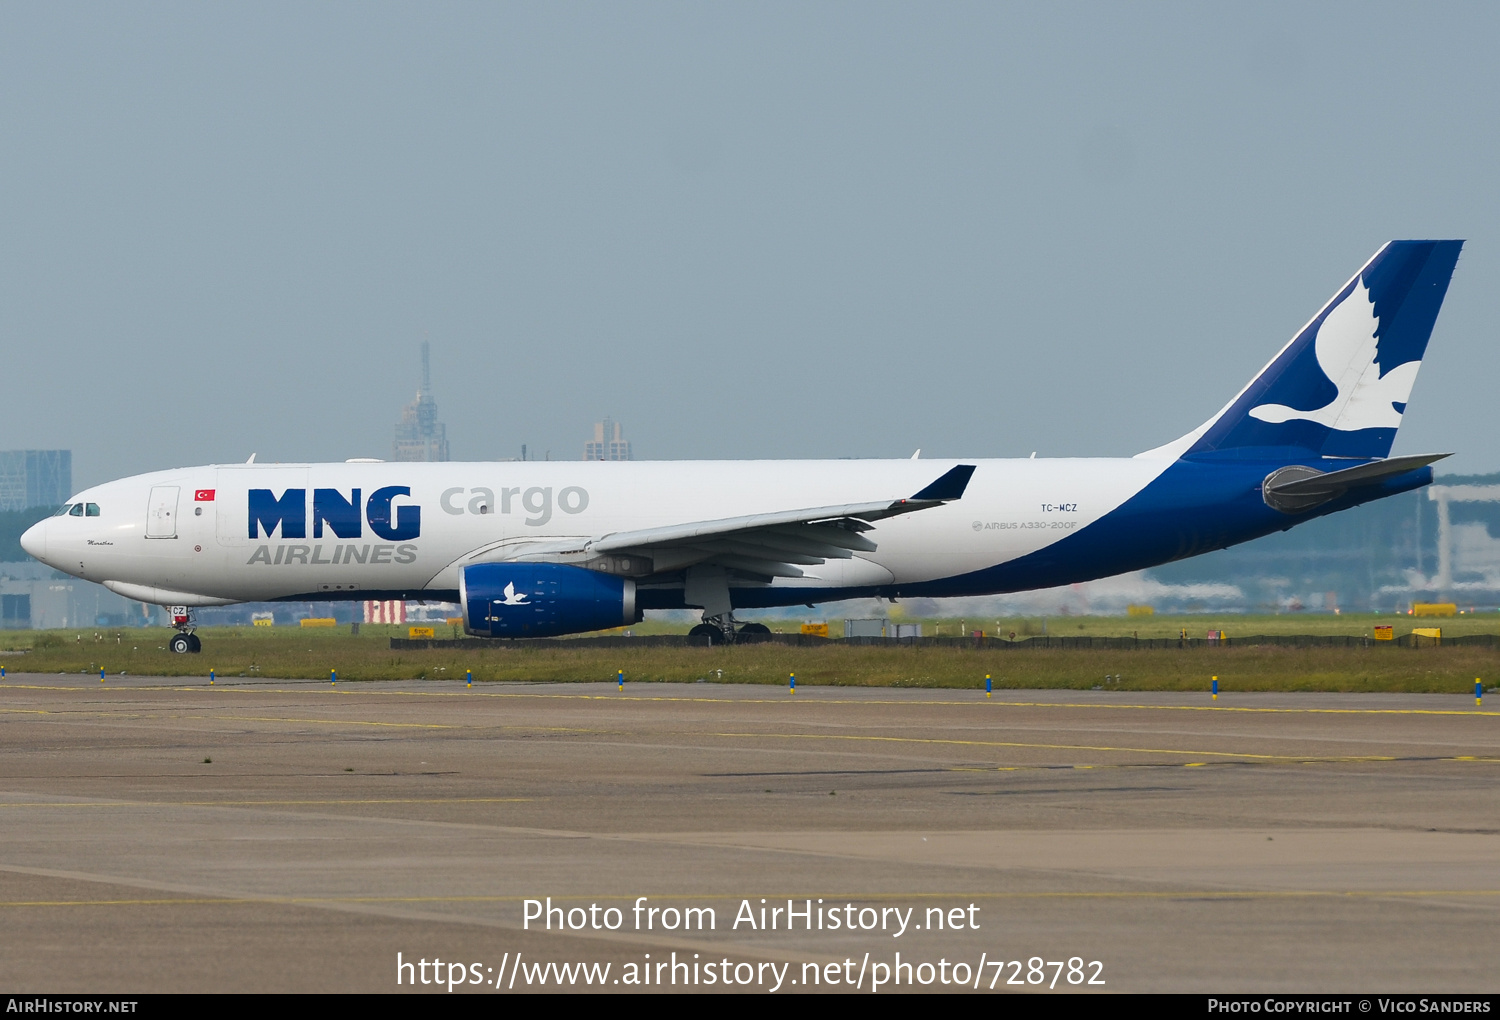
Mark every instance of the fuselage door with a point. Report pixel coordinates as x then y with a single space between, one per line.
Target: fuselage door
161 512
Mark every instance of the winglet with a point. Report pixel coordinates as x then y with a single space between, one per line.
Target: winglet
950 486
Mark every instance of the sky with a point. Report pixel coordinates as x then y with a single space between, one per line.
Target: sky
743 230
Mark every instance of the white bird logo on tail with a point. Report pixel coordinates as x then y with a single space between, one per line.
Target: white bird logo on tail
1346 352
511 598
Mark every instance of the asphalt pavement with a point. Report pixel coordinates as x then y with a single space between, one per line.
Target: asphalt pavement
257 834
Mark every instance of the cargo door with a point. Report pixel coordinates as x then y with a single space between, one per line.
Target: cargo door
161 512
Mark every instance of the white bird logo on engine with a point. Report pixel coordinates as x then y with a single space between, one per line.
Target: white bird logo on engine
1346 352
511 598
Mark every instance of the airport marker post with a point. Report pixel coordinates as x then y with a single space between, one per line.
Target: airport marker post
101 674
1216 688
620 678
1478 692
333 676
210 678
469 677
2 672
791 683
986 685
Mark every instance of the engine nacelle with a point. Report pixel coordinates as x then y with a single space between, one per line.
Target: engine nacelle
516 600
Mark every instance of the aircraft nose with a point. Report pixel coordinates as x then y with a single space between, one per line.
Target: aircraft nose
34 541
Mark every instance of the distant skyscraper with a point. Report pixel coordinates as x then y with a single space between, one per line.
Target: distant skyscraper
419 435
35 478
608 443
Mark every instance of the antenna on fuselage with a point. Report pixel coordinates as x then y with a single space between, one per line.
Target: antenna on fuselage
251 460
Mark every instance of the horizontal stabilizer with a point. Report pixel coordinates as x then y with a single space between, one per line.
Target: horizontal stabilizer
1365 474
1297 488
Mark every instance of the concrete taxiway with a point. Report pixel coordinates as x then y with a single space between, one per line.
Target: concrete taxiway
263 835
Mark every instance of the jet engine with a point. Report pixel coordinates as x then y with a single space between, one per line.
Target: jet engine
516 600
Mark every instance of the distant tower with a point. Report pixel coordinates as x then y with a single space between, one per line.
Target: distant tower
31 478
608 442
419 435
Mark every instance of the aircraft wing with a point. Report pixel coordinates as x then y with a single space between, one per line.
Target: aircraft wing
764 545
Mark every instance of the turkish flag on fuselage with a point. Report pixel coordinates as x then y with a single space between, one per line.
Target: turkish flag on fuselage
203 496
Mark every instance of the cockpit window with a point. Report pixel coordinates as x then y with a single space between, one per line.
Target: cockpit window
93 510
77 510
63 509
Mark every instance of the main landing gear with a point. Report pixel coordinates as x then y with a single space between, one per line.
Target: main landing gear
750 633
721 630
184 642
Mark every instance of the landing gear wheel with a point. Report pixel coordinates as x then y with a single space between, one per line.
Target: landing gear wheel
181 643
714 635
194 645
751 633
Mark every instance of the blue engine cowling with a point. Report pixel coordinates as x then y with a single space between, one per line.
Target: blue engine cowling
542 600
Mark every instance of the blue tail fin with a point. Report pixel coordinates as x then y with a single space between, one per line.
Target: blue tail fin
1340 387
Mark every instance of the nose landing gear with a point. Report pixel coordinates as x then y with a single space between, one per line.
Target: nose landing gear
184 642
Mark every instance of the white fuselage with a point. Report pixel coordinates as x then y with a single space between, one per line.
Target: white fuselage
209 550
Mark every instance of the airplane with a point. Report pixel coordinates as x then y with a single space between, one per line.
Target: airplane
533 549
